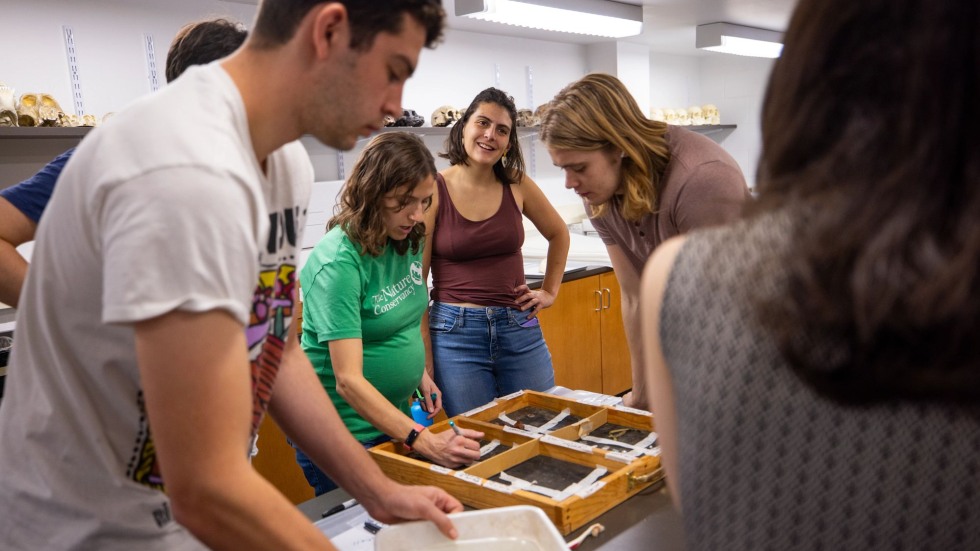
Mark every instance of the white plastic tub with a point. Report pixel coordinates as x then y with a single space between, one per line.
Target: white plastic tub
517 528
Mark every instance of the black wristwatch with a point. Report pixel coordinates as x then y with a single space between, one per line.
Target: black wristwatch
413 435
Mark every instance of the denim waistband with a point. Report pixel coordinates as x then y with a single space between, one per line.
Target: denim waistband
482 312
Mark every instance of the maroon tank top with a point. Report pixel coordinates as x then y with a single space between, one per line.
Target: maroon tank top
477 262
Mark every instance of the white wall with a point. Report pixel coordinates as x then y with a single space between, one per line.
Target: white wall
109 45
113 71
466 63
735 84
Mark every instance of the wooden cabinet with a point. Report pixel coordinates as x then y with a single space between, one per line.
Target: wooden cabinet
585 334
276 460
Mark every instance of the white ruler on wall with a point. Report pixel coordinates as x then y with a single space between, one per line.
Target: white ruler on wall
73 73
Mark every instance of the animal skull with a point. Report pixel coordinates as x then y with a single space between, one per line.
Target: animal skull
525 117
49 112
670 116
27 110
538 114
409 118
710 113
696 115
447 115
683 119
8 106
67 120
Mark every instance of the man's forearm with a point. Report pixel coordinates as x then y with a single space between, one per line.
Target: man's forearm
302 409
13 270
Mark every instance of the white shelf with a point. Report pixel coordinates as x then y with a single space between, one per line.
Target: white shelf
41 133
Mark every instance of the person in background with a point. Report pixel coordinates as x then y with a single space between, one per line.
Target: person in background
21 205
485 337
641 181
363 302
814 368
153 331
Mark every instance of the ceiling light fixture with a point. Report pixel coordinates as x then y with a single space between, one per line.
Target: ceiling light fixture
592 17
736 39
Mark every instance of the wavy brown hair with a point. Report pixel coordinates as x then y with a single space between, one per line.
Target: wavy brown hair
596 113
510 168
277 20
869 143
389 161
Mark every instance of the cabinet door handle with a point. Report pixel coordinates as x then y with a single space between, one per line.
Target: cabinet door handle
608 294
598 300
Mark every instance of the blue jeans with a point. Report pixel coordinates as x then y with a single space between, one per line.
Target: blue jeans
318 479
482 353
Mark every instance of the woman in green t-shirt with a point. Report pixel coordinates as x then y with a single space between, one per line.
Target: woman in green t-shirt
363 301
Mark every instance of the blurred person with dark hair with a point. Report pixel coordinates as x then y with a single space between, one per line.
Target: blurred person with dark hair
814 368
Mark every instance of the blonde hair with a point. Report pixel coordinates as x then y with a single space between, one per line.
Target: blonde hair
597 112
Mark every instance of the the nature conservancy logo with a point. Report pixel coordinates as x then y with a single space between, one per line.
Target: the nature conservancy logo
391 296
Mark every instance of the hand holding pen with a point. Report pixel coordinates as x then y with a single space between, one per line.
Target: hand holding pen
450 448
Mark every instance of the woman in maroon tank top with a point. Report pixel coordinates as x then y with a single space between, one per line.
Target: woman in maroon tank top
484 333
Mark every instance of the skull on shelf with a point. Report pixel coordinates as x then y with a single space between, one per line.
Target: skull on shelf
447 115
657 114
696 115
538 114
683 119
525 117
67 120
710 113
409 118
670 116
8 106
389 120
27 110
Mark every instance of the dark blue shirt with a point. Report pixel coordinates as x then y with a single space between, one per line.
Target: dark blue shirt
33 194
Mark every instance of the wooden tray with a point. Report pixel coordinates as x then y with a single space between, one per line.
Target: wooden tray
602 478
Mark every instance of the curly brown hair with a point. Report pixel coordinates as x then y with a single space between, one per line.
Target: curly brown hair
389 161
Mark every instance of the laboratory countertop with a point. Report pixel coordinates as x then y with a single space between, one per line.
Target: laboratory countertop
645 521
572 274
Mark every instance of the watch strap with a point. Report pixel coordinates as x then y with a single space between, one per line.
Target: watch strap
413 435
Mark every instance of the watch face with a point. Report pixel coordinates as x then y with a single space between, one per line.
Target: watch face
412 435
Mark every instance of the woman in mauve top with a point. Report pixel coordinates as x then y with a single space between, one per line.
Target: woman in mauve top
483 327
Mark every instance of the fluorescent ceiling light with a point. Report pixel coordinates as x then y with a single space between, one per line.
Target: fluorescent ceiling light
592 17
736 39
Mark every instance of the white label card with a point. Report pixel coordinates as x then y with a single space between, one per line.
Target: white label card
577 446
472 479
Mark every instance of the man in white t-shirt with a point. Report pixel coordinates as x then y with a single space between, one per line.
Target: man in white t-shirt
152 330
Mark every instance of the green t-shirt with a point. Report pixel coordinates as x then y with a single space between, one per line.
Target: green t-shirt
379 300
